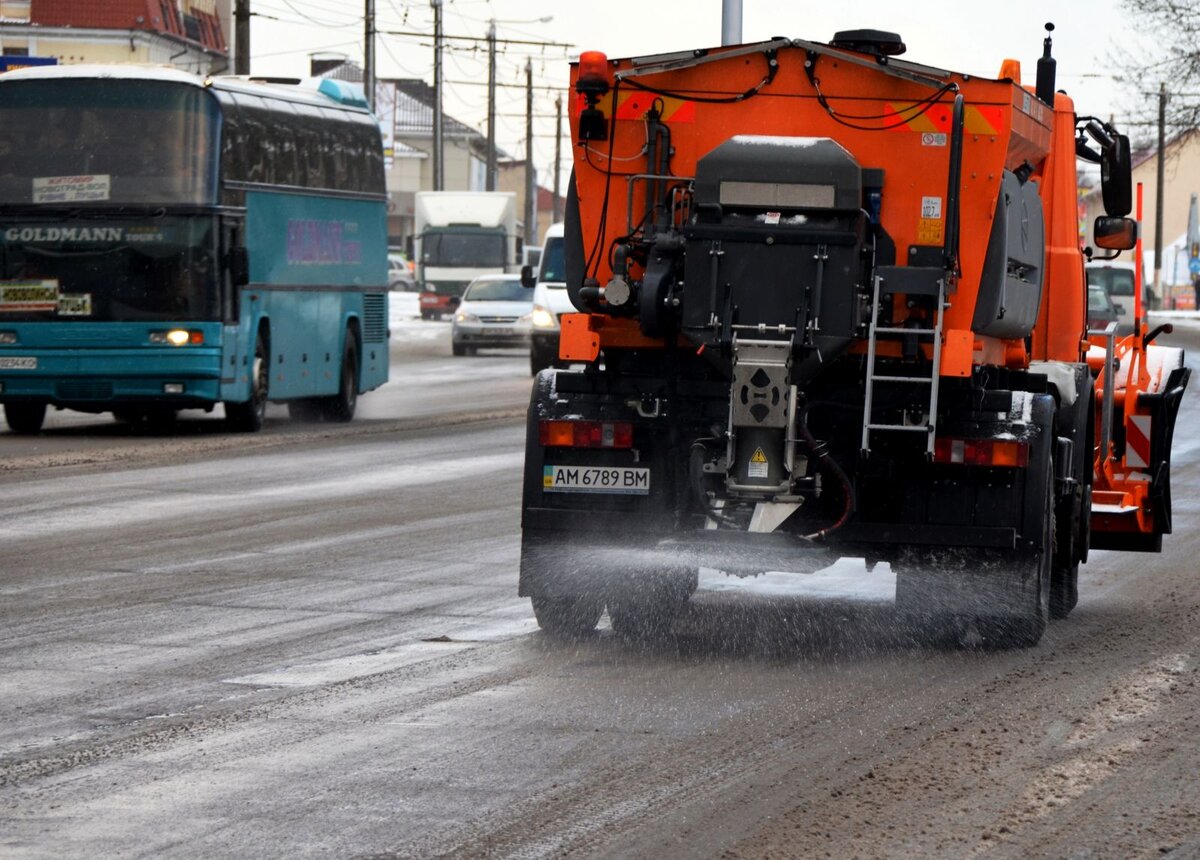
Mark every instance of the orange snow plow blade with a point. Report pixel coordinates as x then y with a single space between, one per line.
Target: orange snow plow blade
1138 390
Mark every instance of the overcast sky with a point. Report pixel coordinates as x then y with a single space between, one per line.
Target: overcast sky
964 36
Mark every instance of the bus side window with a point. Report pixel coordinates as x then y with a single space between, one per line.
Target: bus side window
290 153
231 248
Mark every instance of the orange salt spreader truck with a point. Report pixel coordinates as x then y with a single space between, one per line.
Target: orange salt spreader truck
832 303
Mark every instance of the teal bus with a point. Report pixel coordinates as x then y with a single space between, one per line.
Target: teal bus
172 242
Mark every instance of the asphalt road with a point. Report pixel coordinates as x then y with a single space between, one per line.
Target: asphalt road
307 643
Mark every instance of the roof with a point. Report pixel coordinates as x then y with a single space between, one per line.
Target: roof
414 111
302 91
193 20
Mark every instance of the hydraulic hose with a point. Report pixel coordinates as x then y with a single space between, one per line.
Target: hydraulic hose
827 463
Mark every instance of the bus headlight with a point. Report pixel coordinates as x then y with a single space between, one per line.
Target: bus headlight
542 317
177 337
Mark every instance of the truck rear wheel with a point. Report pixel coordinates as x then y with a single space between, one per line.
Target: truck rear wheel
25 418
1024 589
567 617
648 607
1064 579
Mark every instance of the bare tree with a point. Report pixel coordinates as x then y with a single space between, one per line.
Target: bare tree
1162 49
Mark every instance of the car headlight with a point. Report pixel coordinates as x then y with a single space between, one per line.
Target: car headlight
464 317
542 317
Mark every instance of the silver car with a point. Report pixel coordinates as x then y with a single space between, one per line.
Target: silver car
494 312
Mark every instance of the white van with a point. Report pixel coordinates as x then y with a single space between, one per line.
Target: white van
1117 279
549 300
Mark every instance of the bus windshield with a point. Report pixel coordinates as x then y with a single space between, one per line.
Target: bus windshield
475 248
87 270
80 141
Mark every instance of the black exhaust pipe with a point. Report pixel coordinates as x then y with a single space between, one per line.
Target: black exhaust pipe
1047 70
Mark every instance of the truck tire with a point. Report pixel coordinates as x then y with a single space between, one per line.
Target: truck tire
1064 579
1025 582
567 618
25 418
927 606
648 607
248 417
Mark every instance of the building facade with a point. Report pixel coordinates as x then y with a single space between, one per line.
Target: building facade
1181 178
187 34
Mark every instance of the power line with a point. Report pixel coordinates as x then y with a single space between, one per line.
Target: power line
479 39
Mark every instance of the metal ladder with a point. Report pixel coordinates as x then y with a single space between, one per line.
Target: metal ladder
875 329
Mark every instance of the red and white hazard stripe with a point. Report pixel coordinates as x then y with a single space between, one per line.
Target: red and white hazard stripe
1137 441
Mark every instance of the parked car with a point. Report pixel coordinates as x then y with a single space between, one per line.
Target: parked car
400 276
494 312
1100 308
1118 281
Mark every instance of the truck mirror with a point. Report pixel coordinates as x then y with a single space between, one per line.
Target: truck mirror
1116 177
527 279
239 266
1115 234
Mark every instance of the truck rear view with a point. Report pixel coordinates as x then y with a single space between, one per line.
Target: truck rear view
833 303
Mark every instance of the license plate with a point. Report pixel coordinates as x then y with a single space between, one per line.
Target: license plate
18 362
621 480
496 332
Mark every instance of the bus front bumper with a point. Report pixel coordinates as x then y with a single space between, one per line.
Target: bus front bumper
97 380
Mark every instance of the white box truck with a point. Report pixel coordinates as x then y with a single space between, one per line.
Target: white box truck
458 236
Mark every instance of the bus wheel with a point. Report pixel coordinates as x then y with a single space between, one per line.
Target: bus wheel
25 418
248 417
341 406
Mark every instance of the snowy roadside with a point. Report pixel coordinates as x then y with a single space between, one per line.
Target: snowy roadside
404 319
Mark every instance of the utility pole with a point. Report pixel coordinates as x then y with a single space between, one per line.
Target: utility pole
439 180
491 108
557 159
530 175
369 55
241 38
1158 194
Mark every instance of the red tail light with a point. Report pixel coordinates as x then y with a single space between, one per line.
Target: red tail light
585 434
981 452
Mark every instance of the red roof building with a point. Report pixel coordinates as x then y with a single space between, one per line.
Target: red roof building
189 34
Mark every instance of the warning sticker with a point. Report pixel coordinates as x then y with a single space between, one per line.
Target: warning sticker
771 217
931 207
71 189
933 138
758 465
27 296
929 231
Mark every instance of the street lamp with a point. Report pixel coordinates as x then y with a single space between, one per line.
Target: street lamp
490 179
